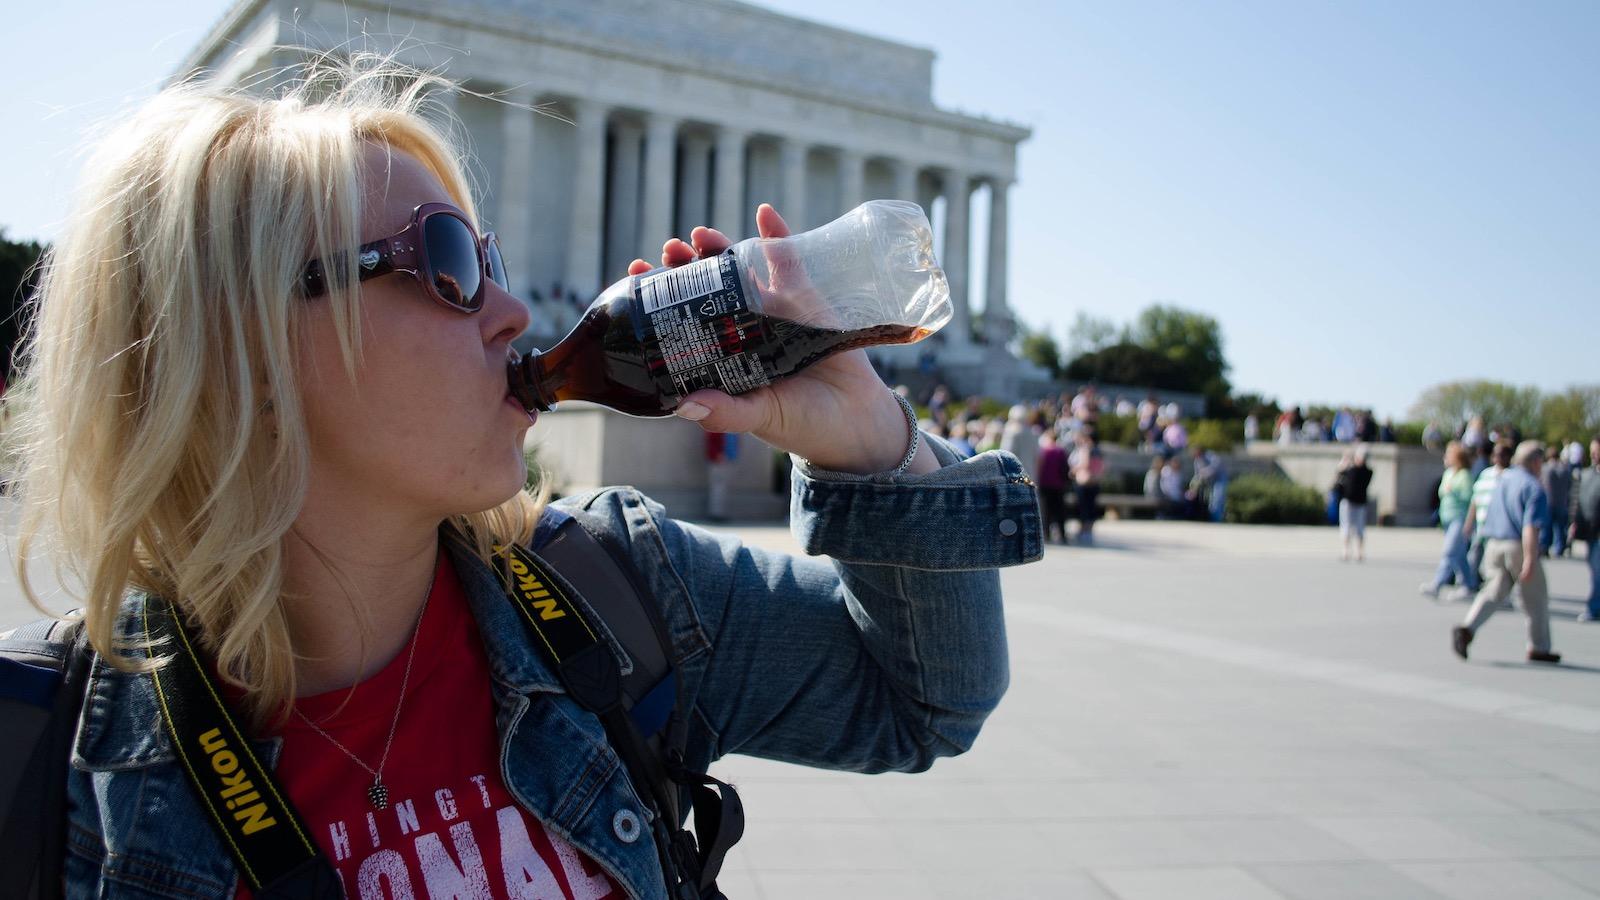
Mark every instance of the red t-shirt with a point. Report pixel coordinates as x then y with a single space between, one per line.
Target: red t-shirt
451 828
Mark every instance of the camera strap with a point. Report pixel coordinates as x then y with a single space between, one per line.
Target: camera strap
246 805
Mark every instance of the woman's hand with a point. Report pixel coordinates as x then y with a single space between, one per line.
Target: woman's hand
837 413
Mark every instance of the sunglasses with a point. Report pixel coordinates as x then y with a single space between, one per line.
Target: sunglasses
440 248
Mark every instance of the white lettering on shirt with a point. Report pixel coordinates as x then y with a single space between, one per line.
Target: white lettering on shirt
527 876
341 841
385 865
372 830
447 803
440 873
406 813
481 782
584 885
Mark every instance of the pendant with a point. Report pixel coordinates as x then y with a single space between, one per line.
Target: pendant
379 795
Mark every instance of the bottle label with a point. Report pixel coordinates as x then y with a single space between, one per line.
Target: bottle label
699 329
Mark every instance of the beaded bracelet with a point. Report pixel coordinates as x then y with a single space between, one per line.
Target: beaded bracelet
916 434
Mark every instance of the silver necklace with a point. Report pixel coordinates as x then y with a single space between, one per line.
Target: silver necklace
378 794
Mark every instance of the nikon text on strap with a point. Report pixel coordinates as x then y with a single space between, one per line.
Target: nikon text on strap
592 676
247 807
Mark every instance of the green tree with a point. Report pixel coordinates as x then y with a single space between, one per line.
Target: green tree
1193 342
1039 348
1571 415
1129 364
1090 334
1452 403
19 276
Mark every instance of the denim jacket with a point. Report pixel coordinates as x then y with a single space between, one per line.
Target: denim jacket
884 658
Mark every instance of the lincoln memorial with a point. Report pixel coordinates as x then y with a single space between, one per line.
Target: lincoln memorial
602 127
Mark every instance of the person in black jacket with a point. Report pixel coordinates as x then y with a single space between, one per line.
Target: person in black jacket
1586 526
1354 477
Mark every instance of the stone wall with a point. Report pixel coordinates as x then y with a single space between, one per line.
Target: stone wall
584 446
1404 479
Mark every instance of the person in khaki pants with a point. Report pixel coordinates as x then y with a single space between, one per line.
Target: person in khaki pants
1517 510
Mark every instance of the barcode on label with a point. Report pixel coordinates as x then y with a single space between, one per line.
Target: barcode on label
675 286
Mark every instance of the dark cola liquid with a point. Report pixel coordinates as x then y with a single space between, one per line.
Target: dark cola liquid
610 359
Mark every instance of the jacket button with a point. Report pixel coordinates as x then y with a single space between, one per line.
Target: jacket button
626 824
1008 527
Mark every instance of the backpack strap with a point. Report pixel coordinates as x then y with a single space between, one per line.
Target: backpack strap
44 667
643 712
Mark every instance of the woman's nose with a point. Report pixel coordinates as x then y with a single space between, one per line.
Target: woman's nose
505 316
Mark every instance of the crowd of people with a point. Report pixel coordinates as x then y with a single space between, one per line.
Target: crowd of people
1055 439
1506 505
1346 426
1058 439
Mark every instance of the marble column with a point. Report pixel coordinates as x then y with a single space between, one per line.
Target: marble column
792 163
852 180
622 200
728 214
905 181
998 324
514 212
694 184
957 196
660 148
588 199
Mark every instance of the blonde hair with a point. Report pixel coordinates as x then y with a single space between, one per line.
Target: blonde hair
158 432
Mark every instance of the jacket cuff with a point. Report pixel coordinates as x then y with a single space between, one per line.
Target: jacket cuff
978 513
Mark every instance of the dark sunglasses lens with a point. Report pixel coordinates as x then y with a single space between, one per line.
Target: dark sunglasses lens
497 267
453 267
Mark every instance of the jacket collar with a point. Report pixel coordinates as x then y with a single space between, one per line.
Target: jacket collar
121 726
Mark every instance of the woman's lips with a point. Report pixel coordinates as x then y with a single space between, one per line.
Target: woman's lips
512 402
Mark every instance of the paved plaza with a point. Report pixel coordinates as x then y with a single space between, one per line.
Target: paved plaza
1219 712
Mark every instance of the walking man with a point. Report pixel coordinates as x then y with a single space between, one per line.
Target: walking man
1478 511
1511 554
1586 527
1557 481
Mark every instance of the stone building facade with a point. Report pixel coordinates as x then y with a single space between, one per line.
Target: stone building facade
601 127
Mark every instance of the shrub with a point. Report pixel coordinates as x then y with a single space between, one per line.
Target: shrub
1273 500
1122 431
1410 433
1217 435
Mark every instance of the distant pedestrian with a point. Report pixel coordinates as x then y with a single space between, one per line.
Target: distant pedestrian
1284 431
1432 437
959 439
1087 466
721 452
1367 431
1482 499
1019 439
1557 482
1208 488
1149 411
1175 505
1152 485
1344 426
1252 428
1053 480
1512 555
1586 527
1455 498
1354 478
1175 436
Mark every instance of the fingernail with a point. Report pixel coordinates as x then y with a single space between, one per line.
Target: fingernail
692 411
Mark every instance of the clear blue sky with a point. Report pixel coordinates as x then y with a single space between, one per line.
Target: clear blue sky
1371 197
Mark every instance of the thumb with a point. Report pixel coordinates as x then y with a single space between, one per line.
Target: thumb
716 411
